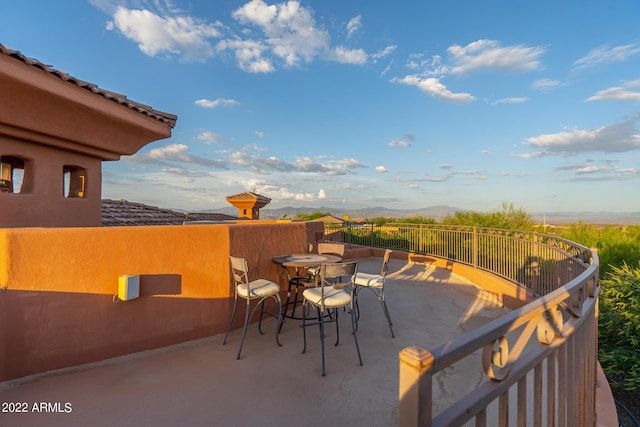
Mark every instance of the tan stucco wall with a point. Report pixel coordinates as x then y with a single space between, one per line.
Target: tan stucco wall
42 202
57 287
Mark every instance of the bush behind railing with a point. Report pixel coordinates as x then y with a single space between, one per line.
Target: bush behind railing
537 261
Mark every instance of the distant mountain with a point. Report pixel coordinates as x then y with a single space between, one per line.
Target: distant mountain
438 212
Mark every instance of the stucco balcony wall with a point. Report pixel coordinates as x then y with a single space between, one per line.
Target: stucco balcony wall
57 287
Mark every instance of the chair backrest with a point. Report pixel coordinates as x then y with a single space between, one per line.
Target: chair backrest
331 248
338 275
239 270
385 262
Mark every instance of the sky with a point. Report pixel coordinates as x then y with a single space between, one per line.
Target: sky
362 103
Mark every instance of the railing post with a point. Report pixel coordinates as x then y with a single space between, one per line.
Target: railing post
475 247
371 234
415 385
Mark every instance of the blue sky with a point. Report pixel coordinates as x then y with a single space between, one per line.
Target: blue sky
355 104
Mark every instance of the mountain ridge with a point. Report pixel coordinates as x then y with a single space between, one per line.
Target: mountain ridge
438 212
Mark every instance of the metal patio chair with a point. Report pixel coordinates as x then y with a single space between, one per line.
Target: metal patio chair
330 295
259 289
374 283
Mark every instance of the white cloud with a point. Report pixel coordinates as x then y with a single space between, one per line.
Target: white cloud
349 56
545 85
210 137
606 54
354 25
592 169
207 103
289 29
381 169
510 101
618 93
615 138
267 165
260 134
175 153
399 143
433 87
384 52
322 194
248 54
182 36
490 55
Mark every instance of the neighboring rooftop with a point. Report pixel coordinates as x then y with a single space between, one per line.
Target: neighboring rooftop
125 213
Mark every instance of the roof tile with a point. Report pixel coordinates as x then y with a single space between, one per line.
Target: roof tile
125 213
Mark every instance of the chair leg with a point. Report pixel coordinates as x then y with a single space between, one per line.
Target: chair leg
280 319
356 307
261 315
386 313
244 329
355 336
321 315
304 326
295 303
337 327
233 314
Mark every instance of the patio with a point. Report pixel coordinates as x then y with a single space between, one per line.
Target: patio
201 382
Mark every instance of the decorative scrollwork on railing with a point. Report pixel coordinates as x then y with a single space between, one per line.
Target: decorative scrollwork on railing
494 359
550 326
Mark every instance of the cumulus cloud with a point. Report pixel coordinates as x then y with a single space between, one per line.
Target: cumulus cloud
434 87
182 36
290 32
349 56
490 55
630 92
207 103
606 54
399 143
176 153
615 138
262 37
248 158
210 137
381 169
592 172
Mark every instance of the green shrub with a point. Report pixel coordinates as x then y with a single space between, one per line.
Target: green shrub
507 217
619 326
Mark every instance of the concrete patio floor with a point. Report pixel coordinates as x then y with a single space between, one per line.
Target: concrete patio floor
200 383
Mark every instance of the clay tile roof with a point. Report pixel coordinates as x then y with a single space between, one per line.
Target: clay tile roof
163 117
124 213
329 218
248 195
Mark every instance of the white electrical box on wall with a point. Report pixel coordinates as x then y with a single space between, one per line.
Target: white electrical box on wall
128 287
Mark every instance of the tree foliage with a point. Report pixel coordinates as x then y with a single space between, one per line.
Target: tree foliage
380 220
508 216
